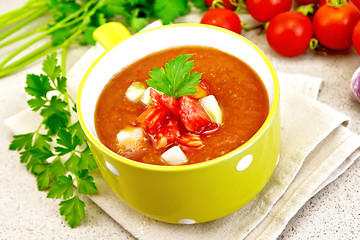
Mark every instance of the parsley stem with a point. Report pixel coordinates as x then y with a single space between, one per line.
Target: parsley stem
19 14
23 36
29 55
20 49
63 59
38 54
7 70
22 24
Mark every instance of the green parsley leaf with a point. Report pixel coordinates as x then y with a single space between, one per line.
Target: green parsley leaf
36 103
62 188
76 129
73 209
72 164
34 156
25 156
41 153
37 86
168 11
68 142
137 22
43 179
39 168
56 116
59 36
88 35
175 80
42 141
85 183
31 160
88 158
57 168
200 4
61 84
50 66
21 141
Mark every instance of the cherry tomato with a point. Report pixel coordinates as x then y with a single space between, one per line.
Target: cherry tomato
222 17
226 3
333 27
356 37
289 33
354 2
265 10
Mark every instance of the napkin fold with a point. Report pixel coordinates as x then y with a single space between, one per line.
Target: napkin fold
316 147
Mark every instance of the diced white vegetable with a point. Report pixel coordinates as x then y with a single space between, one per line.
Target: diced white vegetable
174 156
130 137
146 99
211 106
135 91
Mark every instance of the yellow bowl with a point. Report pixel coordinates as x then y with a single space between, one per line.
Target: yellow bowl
190 193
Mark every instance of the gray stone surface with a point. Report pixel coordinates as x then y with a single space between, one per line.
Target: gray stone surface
333 213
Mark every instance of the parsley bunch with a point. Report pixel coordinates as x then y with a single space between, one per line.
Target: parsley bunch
56 152
71 22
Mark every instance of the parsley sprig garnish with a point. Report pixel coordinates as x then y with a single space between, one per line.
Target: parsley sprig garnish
56 152
175 80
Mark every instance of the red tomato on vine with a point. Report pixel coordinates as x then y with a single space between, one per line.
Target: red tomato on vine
356 37
230 4
289 33
333 26
223 17
265 10
356 3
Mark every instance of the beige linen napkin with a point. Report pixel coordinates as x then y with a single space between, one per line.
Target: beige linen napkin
316 147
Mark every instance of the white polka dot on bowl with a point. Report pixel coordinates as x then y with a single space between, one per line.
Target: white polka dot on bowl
244 163
186 221
112 169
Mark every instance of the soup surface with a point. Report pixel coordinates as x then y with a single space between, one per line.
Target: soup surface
239 91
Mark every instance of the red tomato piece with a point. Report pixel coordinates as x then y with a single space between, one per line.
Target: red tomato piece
225 3
152 118
193 115
164 100
222 17
289 33
356 37
265 10
190 140
333 27
213 127
167 134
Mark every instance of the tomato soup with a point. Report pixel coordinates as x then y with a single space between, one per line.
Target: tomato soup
239 91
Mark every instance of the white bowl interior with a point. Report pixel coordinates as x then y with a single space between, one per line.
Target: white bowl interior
147 42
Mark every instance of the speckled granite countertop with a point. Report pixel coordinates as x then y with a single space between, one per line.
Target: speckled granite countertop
333 213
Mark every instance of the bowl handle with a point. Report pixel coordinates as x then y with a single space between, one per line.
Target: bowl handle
111 34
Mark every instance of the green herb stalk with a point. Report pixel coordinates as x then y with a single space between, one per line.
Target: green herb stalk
73 22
